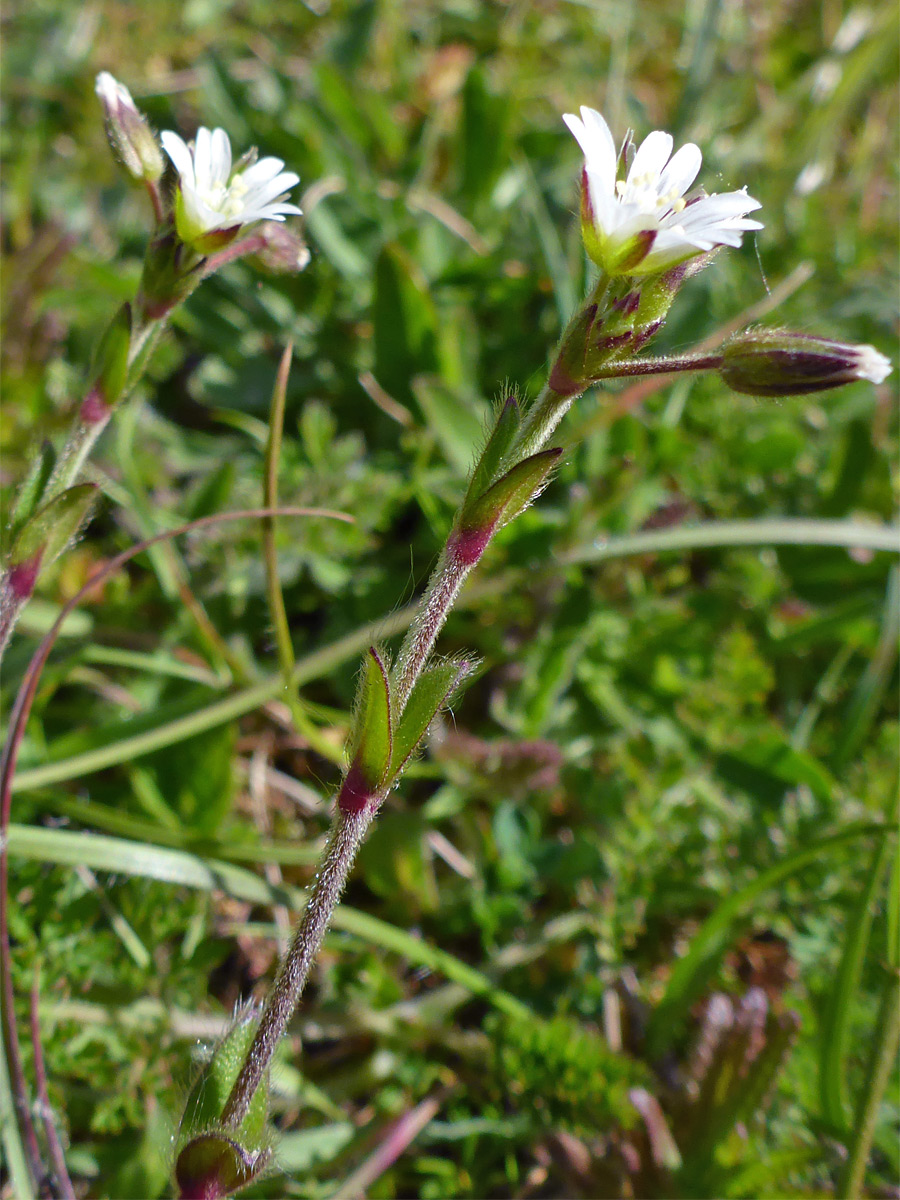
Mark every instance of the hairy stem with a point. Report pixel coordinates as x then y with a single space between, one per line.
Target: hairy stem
86 431
462 551
444 586
347 834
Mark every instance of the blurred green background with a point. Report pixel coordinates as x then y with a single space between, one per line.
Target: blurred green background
656 740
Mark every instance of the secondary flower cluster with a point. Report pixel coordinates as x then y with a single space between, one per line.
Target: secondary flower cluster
647 238
215 197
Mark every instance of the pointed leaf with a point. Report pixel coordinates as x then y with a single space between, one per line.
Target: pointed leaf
372 737
111 359
431 692
835 1038
510 494
33 487
49 530
501 438
203 1111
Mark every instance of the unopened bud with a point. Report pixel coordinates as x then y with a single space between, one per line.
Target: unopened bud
130 136
284 251
776 362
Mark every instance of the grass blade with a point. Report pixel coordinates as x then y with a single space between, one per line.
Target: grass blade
796 531
123 857
835 1033
714 935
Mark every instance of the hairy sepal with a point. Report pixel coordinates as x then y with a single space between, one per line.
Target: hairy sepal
501 439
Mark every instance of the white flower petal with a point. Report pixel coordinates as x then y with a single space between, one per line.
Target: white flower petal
649 201
872 365
681 171
202 159
211 198
262 171
180 155
220 158
652 155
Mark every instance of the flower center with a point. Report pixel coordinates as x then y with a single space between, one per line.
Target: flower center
227 198
643 192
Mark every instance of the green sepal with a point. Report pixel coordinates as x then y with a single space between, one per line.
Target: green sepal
432 690
33 487
568 374
110 368
371 739
511 493
501 438
214 1161
49 530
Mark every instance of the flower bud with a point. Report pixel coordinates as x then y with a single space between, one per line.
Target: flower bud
776 362
130 137
284 251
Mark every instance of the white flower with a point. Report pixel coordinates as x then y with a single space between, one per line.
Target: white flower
641 225
213 199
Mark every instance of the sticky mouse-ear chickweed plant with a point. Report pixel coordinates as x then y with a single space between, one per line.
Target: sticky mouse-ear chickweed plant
647 240
646 234
206 212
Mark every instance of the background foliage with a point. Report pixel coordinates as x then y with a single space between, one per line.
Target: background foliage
650 735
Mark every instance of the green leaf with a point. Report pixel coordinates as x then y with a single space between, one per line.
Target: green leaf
33 487
307 1147
767 766
121 856
431 692
404 322
483 141
396 863
371 739
110 368
207 1097
796 531
835 1033
500 439
510 494
48 531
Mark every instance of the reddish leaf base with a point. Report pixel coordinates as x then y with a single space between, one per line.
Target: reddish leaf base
23 576
94 408
355 794
468 545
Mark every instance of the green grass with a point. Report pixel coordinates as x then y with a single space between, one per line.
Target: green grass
670 777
